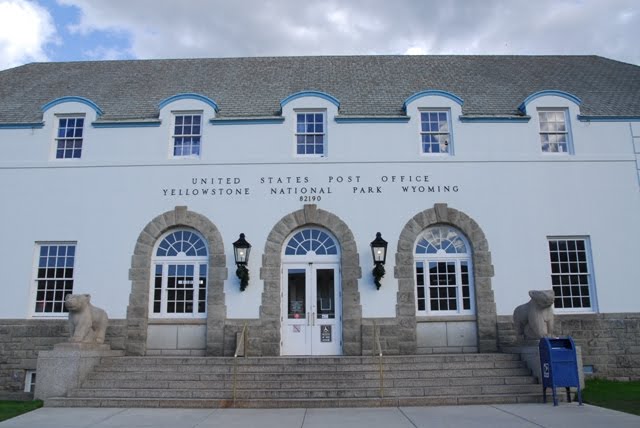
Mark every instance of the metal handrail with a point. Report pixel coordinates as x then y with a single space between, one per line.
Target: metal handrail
242 341
376 339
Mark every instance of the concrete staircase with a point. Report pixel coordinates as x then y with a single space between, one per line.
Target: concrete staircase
276 382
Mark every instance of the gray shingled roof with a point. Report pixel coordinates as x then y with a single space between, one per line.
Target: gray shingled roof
365 85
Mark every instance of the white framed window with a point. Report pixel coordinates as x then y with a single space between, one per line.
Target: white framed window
572 274
69 137
179 280
555 135
435 132
54 276
30 381
187 134
311 133
444 277
316 240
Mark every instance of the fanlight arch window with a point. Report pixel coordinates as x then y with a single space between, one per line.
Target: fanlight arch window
179 280
307 240
441 239
182 241
444 273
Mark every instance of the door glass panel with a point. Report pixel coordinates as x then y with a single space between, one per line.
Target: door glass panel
442 286
180 289
325 293
297 292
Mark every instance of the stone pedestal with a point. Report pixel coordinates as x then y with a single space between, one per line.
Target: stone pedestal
530 354
67 366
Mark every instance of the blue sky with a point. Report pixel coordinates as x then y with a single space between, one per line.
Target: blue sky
79 46
80 30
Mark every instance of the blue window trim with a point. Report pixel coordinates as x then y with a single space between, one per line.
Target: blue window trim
247 121
186 132
305 113
71 145
450 149
570 148
371 119
430 93
30 125
72 99
548 93
584 118
126 124
333 100
495 119
188 96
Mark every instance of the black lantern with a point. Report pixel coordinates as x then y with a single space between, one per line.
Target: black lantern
241 250
379 253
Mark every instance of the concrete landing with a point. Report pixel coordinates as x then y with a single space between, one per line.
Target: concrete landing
487 416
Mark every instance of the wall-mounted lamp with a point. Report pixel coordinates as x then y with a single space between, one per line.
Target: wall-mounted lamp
241 250
379 253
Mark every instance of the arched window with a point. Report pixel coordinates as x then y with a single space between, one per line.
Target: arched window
444 278
314 240
179 283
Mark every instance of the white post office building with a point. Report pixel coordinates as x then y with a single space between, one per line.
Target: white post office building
488 176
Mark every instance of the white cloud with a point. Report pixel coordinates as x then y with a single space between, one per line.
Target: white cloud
25 28
415 50
104 53
218 28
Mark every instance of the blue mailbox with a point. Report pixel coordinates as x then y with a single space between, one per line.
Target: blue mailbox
559 366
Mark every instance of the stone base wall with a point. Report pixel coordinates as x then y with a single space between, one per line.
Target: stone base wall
388 329
21 340
610 342
233 329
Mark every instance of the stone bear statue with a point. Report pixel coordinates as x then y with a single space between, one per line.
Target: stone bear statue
87 324
534 319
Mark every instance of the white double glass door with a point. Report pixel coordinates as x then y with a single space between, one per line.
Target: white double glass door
311 309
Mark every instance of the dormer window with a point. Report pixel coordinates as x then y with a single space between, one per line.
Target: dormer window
310 133
187 133
554 131
69 137
435 132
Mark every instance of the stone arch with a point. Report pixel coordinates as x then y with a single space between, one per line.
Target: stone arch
139 274
270 273
482 272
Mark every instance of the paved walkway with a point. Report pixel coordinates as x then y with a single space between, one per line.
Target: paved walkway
489 416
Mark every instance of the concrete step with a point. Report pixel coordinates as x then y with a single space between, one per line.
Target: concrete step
287 361
305 382
303 403
251 372
260 367
358 392
164 378
175 381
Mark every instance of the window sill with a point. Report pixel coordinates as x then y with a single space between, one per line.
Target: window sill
436 155
559 312
39 316
311 156
190 158
181 321
441 318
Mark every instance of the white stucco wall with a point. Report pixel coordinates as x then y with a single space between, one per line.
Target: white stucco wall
518 195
